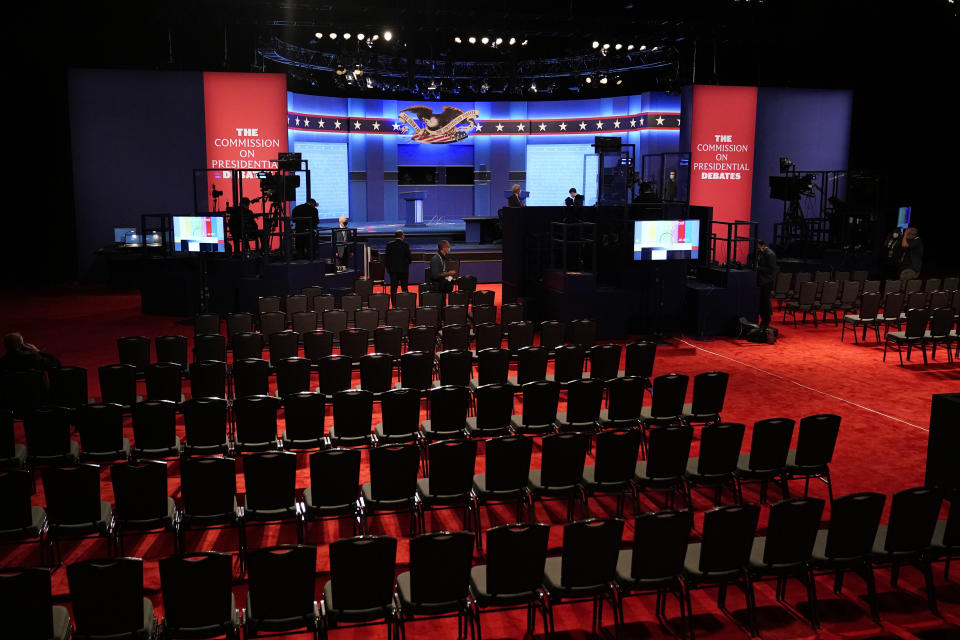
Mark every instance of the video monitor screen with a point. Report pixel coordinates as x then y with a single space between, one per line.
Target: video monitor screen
198 233
120 233
666 240
903 218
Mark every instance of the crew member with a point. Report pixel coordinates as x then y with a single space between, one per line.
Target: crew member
575 199
341 242
670 187
23 356
397 262
892 254
306 219
912 258
766 274
514 199
440 276
242 226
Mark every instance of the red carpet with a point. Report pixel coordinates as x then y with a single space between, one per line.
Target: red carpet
881 447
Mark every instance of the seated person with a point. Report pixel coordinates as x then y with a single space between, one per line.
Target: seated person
242 226
23 356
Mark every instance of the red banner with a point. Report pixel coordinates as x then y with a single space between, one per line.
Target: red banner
721 152
246 127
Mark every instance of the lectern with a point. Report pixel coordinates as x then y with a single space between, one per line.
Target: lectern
414 200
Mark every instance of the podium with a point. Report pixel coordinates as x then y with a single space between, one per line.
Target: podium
414 207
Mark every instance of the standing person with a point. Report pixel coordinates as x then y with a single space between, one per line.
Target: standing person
514 200
575 199
766 273
440 276
670 187
912 259
397 262
341 243
306 219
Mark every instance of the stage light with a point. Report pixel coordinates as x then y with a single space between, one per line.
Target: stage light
513 41
523 44
472 40
318 35
643 47
333 36
346 36
603 79
357 70
606 46
484 87
618 46
432 86
369 82
360 36
498 41
340 70
619 81
375 37
533 86
588 79
387 36
458 40
484 40
629 47
595 44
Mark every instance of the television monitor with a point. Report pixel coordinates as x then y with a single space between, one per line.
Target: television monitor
666 240
120 233
903 218
199 233
132 239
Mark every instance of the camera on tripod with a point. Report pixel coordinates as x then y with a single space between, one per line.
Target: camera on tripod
279 187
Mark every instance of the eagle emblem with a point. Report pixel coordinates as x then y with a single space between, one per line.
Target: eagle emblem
450 125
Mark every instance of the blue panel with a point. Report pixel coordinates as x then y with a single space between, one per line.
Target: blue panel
328 177
434 155
552 169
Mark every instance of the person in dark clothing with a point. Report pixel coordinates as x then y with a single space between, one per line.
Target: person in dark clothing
306 219
766 274
397 262
440 276
912 259
670 187
343 243
575 199
23 356
243 227
515 200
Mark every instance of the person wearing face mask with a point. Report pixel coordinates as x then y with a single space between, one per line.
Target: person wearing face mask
670 187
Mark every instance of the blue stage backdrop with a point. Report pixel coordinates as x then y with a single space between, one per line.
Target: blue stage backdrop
394 147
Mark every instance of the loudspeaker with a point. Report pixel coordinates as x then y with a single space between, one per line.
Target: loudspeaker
943 444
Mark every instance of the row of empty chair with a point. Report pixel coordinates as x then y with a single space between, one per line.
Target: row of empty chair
518 572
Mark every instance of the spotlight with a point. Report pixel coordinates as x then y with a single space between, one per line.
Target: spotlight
484 40
432 86
357 70
333 36
595 44
606 46
523 44
458 39
472 40
498 41
484 87
533 86
619 81
369 82
603 79
588 79
655 49
360 36
643 47
513 41
629 47
387 36
340 70
375 37
346 36
618 46
318 35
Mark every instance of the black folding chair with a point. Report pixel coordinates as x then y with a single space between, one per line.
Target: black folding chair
334 489
26 606
142 503
198 596
561 469
108 600
281 595
360 590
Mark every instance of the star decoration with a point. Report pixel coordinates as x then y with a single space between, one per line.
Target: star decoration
659 120
376 126
396 126
599 124
583 125
297 121
306 122
336 124
678 122
479 127
616 124
633 122
320 124
563 126
641 122
499 127
356 124
520 127
543 127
